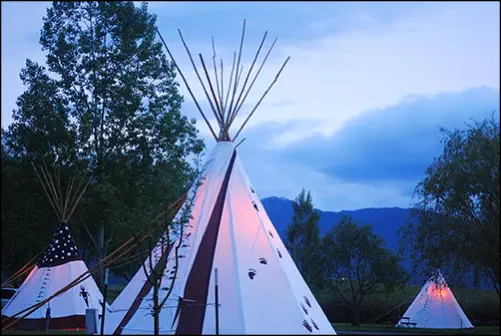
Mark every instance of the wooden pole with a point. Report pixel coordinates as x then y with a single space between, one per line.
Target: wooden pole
239 143
260 100
237 103
215 110
216 293
47 320
187 86
105 294
236 75
252 83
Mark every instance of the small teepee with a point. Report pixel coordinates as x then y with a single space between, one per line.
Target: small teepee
435 307
59 264
233 274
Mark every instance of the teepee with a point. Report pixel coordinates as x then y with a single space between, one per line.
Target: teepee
59 264
435 307
233 274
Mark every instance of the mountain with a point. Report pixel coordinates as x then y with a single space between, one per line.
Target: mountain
384 221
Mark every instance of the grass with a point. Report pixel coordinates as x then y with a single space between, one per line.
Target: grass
113 292
43 333
472 301
340 327
481 306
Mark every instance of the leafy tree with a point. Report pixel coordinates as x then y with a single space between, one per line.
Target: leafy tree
41 125
170 237
303 238
108 99
356 264
455 224
22 200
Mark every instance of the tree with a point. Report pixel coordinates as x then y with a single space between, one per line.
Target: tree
170 236
303 238
455 224
41 125
356 264
23 203
109 98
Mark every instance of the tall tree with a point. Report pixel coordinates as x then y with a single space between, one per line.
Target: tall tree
41 125
356 264
456 219
303 238
112 101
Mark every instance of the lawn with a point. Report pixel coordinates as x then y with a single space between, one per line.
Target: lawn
472 299
340 327
43 333
481 306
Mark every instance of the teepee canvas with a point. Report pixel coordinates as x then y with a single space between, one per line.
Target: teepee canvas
58 265
230 254
435 307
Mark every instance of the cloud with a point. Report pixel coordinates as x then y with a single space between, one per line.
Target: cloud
376 159
346 58
361 58
346 119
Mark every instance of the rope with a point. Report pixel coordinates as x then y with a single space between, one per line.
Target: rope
23 270
106 261
130 260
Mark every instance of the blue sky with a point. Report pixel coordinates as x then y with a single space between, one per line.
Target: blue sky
354 117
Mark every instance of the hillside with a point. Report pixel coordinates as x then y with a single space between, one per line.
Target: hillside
385 221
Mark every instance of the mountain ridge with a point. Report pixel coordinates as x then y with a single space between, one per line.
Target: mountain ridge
385 221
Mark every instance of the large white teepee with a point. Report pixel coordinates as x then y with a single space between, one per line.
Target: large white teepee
435 307
260 290
60 264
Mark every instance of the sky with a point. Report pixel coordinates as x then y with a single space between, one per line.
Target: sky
355 116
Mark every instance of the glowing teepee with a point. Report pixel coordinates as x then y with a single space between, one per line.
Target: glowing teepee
435 307
229 244
59 264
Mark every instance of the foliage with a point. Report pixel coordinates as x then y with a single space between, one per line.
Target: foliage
303 238
21 238
456 221
480 306
171 238
357 264
108 102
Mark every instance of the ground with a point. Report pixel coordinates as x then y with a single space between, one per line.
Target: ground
347 329
385 329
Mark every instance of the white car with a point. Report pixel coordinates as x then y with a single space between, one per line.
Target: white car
7 293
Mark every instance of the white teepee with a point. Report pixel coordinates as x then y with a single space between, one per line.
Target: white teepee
229 242
60 264
435 307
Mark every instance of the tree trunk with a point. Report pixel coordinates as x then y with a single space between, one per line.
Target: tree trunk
100 241
355 315
156 310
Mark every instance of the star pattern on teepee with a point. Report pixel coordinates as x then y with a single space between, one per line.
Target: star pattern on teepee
61 249
49 283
